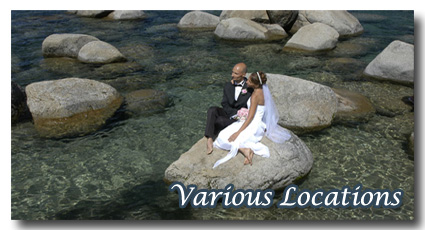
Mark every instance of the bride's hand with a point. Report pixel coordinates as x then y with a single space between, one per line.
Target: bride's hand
233 137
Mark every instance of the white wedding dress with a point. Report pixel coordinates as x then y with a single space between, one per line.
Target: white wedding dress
250 137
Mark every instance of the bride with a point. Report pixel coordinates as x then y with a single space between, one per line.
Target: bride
245 135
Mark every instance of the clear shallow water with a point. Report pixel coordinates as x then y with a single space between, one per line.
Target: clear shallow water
117 172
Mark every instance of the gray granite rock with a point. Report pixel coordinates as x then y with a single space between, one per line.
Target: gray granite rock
100 52
304 106
246 30
127 14
198 20
287 163
71 106
395 63
314 37
65 45
341 20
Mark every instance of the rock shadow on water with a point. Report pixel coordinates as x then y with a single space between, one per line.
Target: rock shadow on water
150 200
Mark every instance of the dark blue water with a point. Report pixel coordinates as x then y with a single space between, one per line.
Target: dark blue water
117 172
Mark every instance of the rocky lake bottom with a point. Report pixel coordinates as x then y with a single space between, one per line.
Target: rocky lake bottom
117 172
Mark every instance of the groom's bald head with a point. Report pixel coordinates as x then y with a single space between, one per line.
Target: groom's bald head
239 72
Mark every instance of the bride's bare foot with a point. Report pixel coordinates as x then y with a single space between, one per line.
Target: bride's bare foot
246 152
246 161
209 145
251 155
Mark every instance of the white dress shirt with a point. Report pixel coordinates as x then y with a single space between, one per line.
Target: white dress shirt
238 89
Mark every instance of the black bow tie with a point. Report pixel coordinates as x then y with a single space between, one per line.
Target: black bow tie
239 84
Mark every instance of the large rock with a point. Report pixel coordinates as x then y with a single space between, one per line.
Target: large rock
287 162
247 30
353 107
284 18
71 106
100 52
65 45
93 13
394 63
254 15
127 14
198 20
19 103
304 106
341 20
314 37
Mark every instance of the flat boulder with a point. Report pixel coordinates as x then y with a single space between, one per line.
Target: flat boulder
304 106
314 37
395 63
65 45
341 20
100 52
71 106
127 15
287 163
198 20
246 30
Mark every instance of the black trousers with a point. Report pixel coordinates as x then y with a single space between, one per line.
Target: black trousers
217 120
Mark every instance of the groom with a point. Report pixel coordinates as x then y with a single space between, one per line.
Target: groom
235 96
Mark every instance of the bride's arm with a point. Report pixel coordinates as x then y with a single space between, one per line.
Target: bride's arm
249 118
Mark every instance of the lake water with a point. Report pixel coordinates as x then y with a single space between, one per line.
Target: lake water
117 172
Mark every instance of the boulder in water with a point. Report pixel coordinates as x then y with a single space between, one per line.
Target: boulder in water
287 163
65 45
246 30
314 37
395 63
71 106
100 52
198 20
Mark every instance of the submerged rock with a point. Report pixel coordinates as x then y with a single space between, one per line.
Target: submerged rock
71 106
394 63
287 162
100 52
314 37
247 30
303 106
353 107
19 103
65 45
387 98
145 101
198 20
412 143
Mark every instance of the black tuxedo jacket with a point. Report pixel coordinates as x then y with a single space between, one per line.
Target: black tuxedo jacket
229 104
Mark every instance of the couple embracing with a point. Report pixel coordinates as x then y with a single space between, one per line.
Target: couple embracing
247 114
